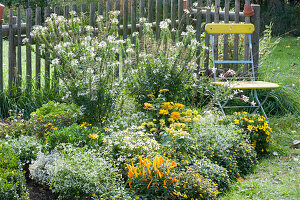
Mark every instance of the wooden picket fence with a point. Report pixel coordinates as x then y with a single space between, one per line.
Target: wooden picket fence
131 11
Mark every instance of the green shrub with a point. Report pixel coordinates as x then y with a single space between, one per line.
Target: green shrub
162 64
26 147
12 180
193 185
216 142
77 135
216 173
255 126
129 143
85 60
52 116
15 126
79 172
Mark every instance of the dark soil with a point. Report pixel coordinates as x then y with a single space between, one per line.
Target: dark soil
36 190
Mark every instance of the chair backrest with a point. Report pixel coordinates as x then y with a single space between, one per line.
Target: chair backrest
216 29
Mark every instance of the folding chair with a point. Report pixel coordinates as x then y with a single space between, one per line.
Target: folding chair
244 82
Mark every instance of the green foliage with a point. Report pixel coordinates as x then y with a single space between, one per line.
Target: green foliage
256 127
85 61
79 172
15 126
193 185
216 173
77 135
26 147
162 63
52 116
12 181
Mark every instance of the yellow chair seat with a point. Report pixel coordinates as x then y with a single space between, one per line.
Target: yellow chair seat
247 85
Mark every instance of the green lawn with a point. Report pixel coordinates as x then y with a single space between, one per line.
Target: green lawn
23 53
277 176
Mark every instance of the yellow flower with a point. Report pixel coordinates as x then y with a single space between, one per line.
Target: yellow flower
150 96
152 129
162 122
195 112
148 106
249 127
164 90
167 105
175 115
179 106
150 124
93 136
220 120
195 119
199 116
251 121
163 112
236 121
171 120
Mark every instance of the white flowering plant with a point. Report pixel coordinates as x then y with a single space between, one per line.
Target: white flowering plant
162 62
85 58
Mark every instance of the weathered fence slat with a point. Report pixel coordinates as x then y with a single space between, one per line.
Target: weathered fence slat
216 20
236 36
187 12
125 18
133 19
100 7
226 20
1 58
47 61
66 12
38 14
150 11
118 8
180 17
255 36
92 14
165 9
142 14
108 8
19 58
83 8
173 18
11 55
246 47
28 50
57 10
206 52
157 18
198 33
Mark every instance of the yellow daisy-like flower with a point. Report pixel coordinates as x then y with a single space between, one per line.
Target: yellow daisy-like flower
167 105
93 136
195 119
175 115
179 106
164 90
148 106
152 129
151 96
163 112
236 121
150 124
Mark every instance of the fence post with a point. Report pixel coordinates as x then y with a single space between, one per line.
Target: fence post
12 58
255 19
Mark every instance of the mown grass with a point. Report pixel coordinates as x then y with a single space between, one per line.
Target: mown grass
277 176
282 66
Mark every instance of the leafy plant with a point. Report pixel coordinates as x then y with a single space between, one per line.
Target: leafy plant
77 135
12 180
162 63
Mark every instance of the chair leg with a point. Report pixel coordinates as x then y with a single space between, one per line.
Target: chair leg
221 108
261 104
